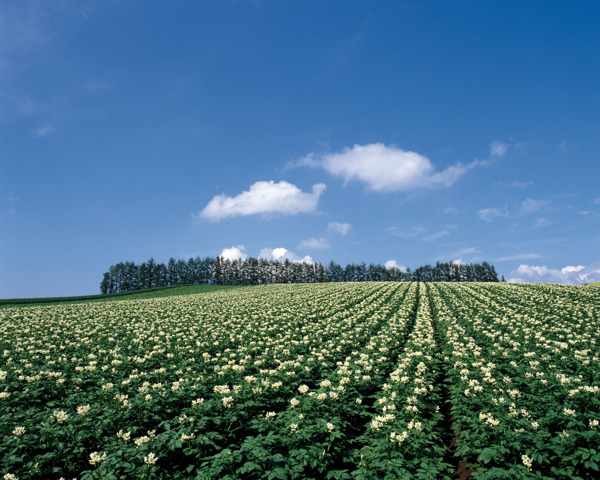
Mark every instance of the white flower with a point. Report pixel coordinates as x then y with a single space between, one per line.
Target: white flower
303 389
60 415
330 426
82 410
527 461
96 458
140 441
124 436
150 459
18 431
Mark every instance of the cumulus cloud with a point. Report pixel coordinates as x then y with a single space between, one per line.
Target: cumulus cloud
393 264
489 214
281 254
234 253
341 228
569 274
263 198
386 168
319 243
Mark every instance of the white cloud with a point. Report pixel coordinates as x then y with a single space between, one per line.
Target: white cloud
405 231
96 87
341 228
519 184
393 264
498 149
263 198
442 233
569 274
234 253
281 254
597 201
541 222
44 131
521 256
566 146
471 253
315 243
489 214
386 168
530 205
12 202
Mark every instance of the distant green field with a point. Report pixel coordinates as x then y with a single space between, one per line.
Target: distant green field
135 295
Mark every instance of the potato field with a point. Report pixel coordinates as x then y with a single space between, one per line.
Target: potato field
321 381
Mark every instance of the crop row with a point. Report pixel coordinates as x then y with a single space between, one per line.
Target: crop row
363 381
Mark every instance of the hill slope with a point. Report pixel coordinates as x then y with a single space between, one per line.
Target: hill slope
134 295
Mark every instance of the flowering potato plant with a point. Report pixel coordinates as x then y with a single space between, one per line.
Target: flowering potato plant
343 381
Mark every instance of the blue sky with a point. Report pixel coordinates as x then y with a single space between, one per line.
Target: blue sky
391 131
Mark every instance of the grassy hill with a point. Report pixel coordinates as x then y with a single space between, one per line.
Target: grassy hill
134 295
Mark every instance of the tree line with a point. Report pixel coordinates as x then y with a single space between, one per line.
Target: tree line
127 276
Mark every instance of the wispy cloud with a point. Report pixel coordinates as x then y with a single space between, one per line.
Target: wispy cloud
22 29
12 203
341 228
44 131
96 86
315 243
440 234
385 168
566 146
407 231
520 256
541 222
489 214
516 184
467 251
498 149
530 206
263 198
